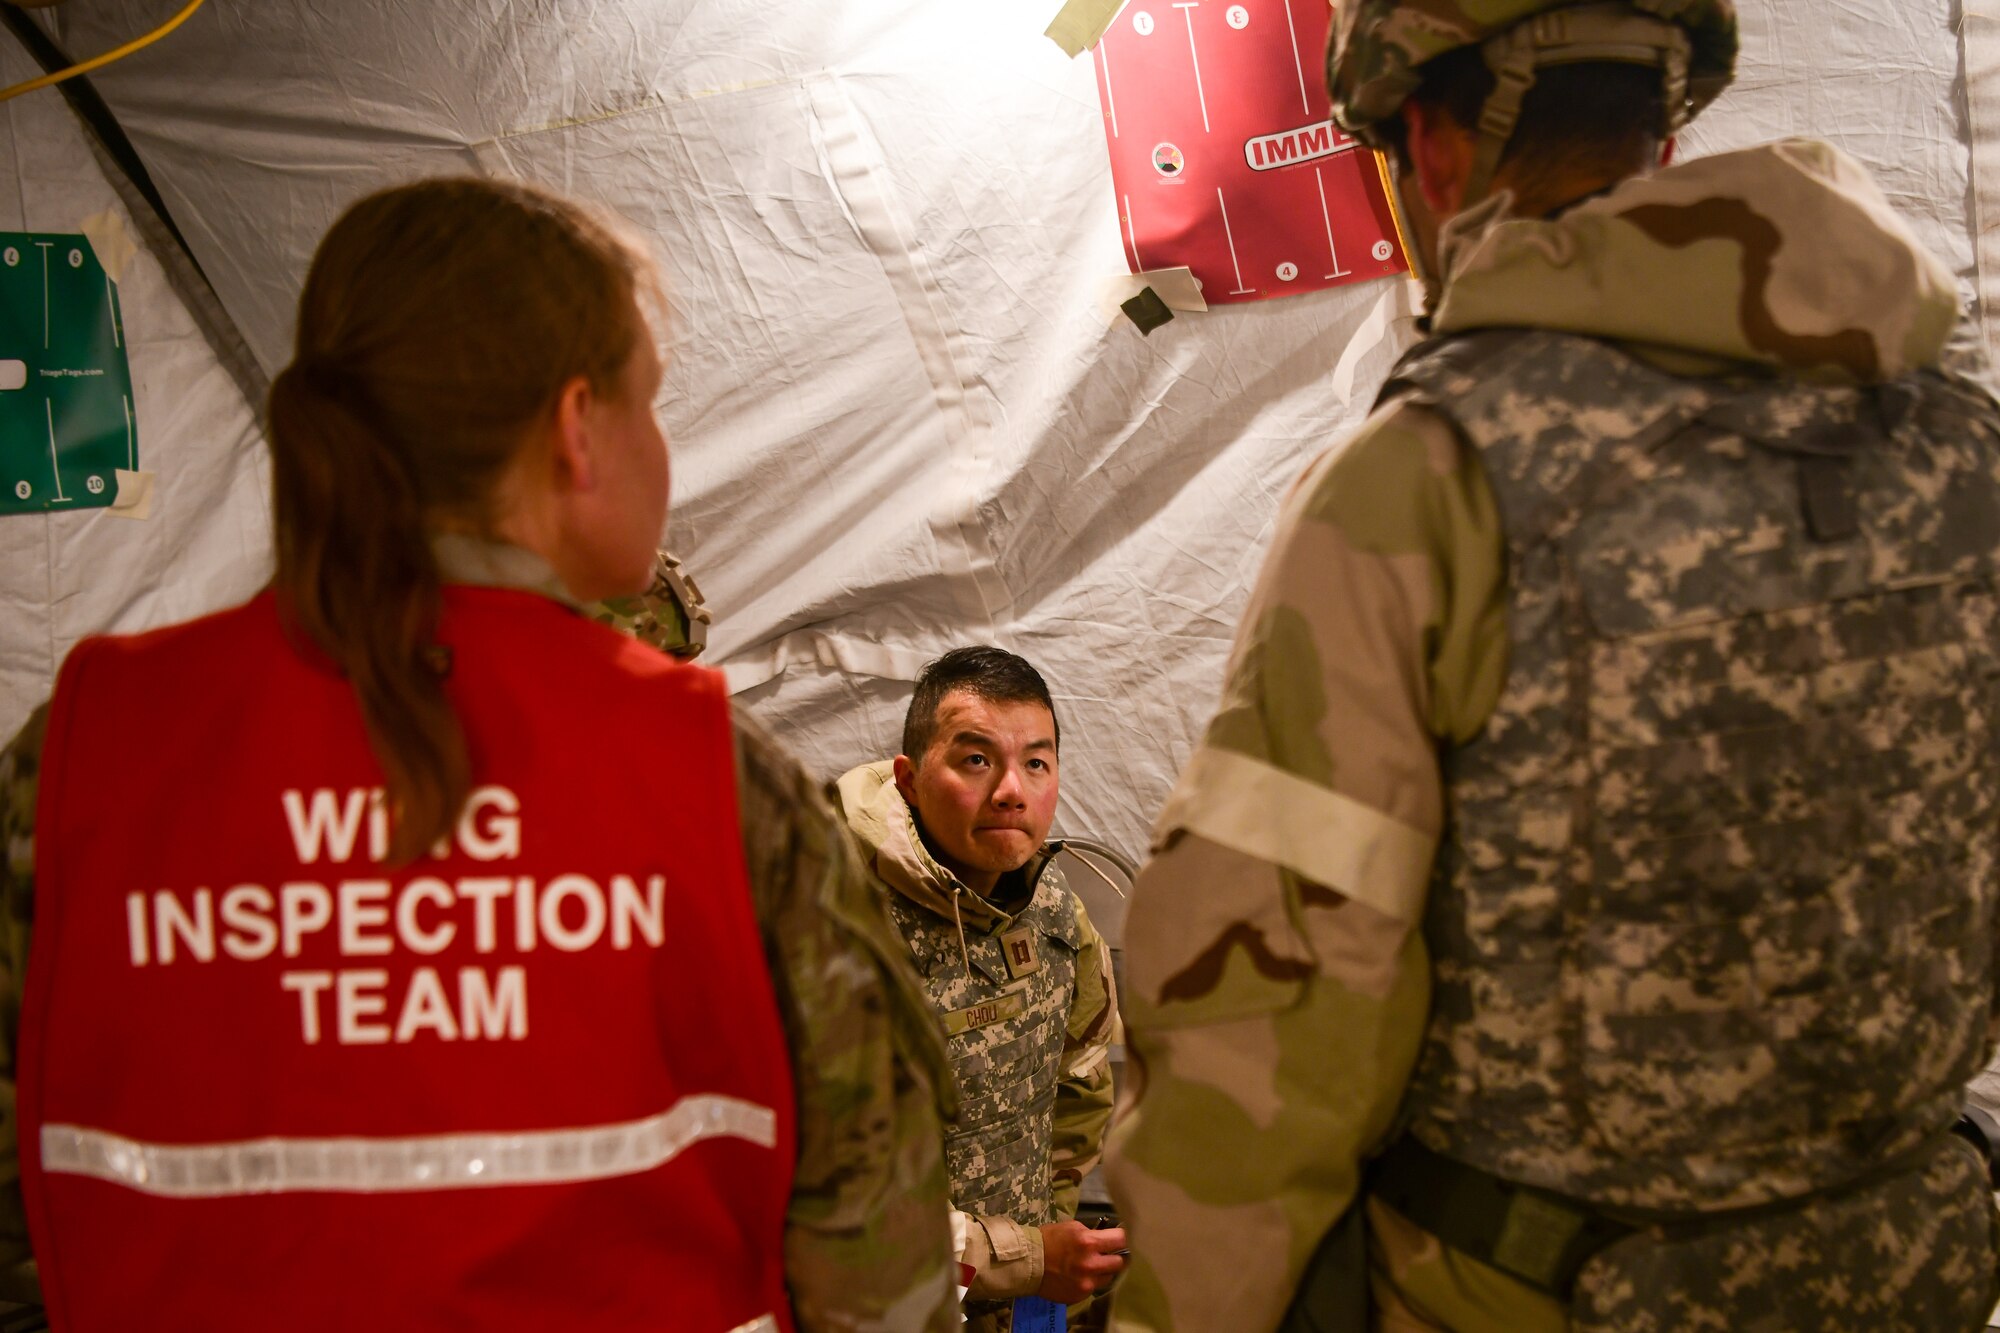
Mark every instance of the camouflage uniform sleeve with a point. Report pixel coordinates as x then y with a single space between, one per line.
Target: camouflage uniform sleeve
1005 1256
20 763
867 1248
1084 1094
1276 987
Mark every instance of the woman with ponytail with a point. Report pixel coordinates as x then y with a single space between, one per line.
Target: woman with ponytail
445 959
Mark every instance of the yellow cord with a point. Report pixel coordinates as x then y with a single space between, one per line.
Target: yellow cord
98 62
1395 210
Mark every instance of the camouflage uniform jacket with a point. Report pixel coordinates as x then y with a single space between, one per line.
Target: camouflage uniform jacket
866 1243
1671 967
1027 1004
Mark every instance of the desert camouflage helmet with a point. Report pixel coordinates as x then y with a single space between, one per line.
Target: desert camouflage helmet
1378 47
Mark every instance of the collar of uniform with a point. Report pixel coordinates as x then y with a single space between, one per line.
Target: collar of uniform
1461 233
979 913
1015 887
484 563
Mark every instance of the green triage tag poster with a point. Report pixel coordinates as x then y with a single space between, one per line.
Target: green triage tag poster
66 425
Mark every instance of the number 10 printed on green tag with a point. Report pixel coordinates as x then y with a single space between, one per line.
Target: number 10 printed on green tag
66 425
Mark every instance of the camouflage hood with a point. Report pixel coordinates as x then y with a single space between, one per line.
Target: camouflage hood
886 829
1785 256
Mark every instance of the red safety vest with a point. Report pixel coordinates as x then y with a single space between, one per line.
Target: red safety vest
537 1081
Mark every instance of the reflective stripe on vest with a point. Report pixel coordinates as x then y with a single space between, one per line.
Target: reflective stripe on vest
424 1162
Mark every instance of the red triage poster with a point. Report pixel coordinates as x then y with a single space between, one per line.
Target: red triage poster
1222 154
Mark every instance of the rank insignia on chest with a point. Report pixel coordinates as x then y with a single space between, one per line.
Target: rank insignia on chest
1019 948
979 1015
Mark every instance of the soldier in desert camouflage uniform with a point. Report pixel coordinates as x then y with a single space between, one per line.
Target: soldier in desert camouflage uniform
954 830
1621 696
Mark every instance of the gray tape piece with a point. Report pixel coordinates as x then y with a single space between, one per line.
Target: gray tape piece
1147 310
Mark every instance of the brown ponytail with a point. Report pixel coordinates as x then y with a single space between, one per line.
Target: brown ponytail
439 322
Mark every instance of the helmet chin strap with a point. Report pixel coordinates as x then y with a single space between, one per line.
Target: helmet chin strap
1606 32
1420 268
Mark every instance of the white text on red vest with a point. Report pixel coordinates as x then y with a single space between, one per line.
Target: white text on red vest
377 917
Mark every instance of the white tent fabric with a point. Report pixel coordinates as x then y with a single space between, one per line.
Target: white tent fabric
900 419
207 541
1980 26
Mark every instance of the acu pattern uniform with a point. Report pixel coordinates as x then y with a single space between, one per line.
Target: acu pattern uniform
1683 560
1712 921
1026 1002
1005 1019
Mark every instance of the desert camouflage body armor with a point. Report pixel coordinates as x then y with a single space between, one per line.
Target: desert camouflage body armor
1713 918
1004 1026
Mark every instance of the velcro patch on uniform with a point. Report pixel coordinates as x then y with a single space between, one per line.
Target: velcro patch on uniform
1533 1237
1019 948
980 1015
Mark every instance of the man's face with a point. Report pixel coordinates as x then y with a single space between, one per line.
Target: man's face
985 790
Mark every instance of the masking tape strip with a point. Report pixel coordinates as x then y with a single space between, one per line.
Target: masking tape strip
135 495
1175 286
1078 24
112 243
